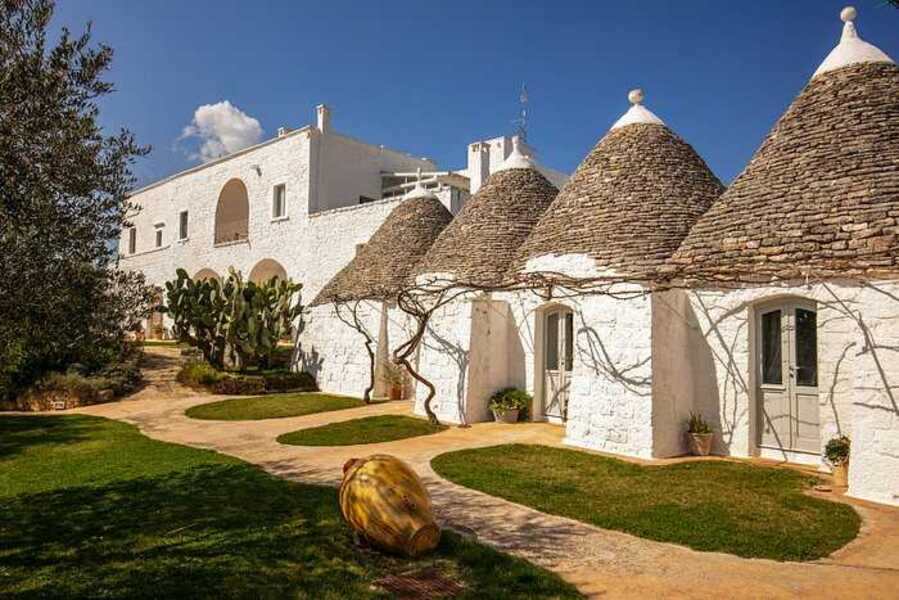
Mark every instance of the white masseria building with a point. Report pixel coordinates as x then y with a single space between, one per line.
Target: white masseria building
770 307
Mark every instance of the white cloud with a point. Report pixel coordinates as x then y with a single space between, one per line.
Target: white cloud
220 129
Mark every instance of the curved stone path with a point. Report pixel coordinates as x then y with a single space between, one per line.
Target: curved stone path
601 563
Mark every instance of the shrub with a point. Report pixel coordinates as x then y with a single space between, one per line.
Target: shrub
509 399
289 382
86 389
198 372
239 385
696 424
837 451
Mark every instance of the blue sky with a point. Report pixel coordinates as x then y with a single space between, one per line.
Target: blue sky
430 77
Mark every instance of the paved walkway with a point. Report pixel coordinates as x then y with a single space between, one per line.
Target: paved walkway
601 563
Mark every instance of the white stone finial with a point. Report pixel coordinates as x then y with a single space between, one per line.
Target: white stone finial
517 159
848 14
851 49
419 190
637 113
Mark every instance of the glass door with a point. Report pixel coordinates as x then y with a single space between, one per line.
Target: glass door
788 377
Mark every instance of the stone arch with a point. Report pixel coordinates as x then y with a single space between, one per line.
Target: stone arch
232 214
203 274
265 269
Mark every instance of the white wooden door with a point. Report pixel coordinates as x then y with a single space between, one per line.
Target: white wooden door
788 377
558 361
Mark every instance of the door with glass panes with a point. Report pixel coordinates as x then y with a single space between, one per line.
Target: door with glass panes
558 360
788 377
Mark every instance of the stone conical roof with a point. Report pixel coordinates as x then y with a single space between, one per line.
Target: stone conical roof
821 195
382 266
480 243
628 205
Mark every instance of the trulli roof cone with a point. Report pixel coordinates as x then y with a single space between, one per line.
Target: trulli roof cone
480 243
821 195
630 202
382 267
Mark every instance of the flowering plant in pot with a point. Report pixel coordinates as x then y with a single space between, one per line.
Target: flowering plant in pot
508 404
699 435
395 376
836 452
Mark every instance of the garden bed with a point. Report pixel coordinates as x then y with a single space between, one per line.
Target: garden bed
197 373
367 430
78 387
721 506
91 508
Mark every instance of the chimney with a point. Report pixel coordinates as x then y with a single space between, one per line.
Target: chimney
323 118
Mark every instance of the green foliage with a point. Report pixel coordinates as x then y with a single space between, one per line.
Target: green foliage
239 385
711 506
91 508
62 203
509 399
837 450
394 374
289 381
367 430
199 373
696 424
235 320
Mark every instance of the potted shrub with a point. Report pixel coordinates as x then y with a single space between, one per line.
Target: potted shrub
508 404
699 435
836 452
395 376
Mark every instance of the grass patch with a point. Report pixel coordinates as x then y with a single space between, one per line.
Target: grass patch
91 508
368 430
741 509
272 406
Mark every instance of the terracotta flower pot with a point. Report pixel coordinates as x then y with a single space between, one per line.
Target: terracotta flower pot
841 475
396 392
700 443
509 416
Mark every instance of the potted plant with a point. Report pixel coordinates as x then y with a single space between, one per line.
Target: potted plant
699 435
836 452
508 404
395 376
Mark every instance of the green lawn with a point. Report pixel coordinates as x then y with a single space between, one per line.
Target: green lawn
163 343
271 406
91 508
742 509
368 430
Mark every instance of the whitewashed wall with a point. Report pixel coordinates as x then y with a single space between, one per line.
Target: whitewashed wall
710 368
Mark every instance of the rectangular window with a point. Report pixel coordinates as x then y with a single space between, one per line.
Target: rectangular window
182 225
132 240
772 365
159 237
279 201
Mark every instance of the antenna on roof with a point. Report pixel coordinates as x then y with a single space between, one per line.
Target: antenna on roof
521 123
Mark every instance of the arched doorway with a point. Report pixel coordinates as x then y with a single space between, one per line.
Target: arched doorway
204 274
787 371
265 269
232 214
555 361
